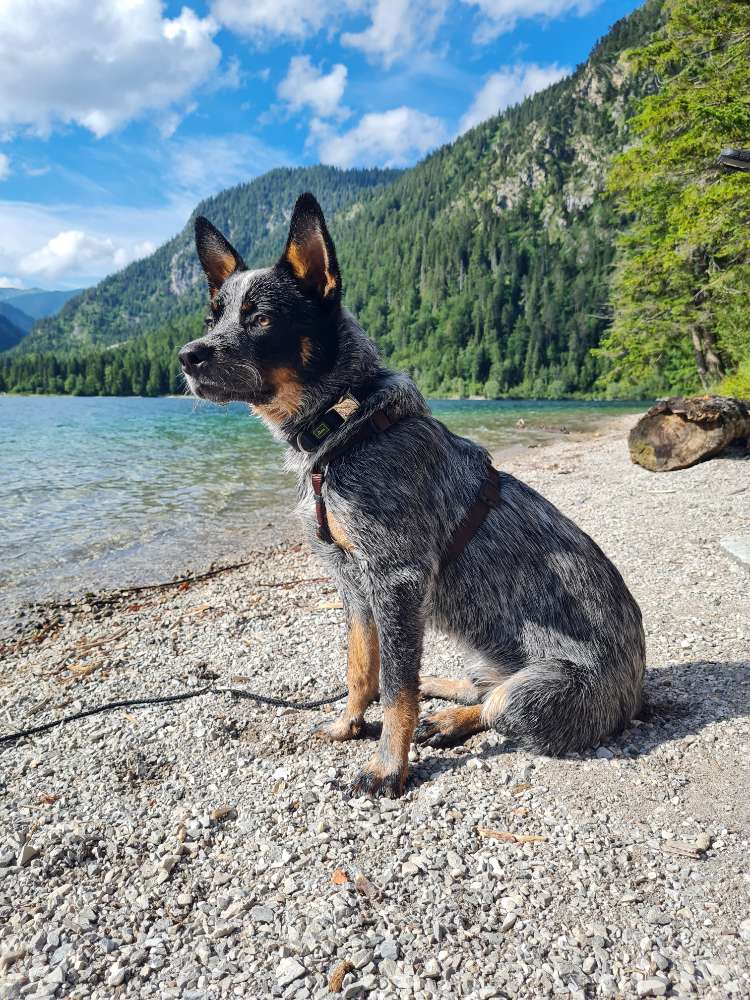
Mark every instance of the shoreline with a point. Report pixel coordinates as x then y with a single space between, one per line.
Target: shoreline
206 848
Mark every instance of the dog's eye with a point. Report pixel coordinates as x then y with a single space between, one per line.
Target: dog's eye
208 321
262 320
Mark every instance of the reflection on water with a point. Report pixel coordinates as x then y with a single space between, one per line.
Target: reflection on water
104 492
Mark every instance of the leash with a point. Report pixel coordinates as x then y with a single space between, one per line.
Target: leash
109 706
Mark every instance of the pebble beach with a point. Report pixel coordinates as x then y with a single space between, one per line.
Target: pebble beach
205 849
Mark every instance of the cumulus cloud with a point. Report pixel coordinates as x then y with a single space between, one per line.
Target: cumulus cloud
260 20
76 251
4 166
305 86
6 282
509 86
99 65
500 16
397 27
389 138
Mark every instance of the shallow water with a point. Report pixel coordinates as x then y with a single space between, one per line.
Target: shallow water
98 492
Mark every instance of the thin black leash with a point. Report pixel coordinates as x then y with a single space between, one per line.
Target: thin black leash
261 699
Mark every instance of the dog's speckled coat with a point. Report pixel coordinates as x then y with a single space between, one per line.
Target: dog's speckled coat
556 640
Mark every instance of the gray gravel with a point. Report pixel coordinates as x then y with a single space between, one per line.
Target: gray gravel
204 850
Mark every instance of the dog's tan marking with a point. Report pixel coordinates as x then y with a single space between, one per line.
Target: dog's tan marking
310 263
496 700
457 723
399 723
362 674
287 395
338 534
449 689
305 350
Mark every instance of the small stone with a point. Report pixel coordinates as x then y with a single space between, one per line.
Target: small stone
431 969
388 948
604 754
27 854
652 987
262 914
288 970
509 922
353 990
116 976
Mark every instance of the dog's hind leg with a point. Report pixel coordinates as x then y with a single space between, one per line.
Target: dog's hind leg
555 706
462 690
450 726
363 668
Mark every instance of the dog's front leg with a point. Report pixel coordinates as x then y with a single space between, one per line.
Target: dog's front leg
397 599
363 663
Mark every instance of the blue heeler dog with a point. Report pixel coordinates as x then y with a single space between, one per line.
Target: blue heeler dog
414 525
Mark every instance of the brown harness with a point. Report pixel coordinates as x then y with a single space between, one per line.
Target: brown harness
379 421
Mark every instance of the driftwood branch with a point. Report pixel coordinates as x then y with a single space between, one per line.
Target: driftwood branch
682 431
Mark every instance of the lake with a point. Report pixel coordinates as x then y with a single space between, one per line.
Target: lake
105 492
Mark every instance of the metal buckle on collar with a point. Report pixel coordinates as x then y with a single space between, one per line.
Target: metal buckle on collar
330 421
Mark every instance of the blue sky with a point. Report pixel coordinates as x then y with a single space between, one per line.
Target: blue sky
117 116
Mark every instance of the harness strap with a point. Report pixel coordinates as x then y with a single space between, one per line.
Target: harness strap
488 498
376 423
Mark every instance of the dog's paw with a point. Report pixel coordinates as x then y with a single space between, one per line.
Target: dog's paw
341 729
377 780
447 728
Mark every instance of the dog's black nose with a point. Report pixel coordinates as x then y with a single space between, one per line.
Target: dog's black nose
194 355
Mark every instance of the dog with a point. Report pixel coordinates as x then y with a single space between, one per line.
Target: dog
395 507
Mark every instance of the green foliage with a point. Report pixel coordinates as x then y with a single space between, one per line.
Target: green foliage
681 290
144 366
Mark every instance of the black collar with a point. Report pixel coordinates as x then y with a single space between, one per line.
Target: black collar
312 436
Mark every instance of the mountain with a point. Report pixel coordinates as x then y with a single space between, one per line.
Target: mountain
170 283
10 334
486 267
483 269
17 317
37 302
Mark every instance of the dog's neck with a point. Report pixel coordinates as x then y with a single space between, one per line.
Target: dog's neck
357 367
358 370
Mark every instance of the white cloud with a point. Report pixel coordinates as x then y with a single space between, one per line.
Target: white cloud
76 251
4 166
6 282
260 20
305 86
501 16
509 86
397 27
120 233
99 65
390 138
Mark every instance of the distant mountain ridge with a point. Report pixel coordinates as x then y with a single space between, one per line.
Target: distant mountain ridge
10 334
37 302
16 316
169 283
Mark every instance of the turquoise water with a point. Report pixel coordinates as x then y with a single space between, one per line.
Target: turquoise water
101 492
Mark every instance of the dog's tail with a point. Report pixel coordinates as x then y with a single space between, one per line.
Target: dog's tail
554 707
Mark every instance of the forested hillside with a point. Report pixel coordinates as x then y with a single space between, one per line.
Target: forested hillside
170 284
484 269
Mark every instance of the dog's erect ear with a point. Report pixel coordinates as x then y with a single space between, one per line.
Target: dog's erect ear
309 253
218 257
